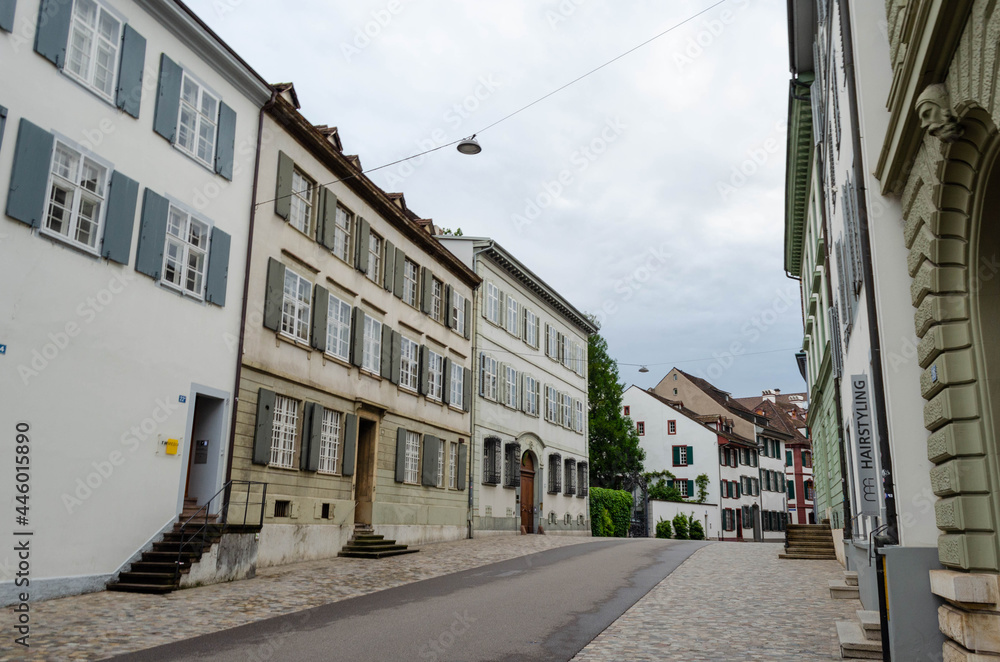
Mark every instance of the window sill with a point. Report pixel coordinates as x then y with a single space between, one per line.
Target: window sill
90 89
328 473
337 359
282 468
195 159
66 242
281 337
368 373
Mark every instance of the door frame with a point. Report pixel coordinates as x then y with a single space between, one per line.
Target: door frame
376 431
188 440
534 489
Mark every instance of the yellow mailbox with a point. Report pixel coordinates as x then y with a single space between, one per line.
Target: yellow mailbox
172 445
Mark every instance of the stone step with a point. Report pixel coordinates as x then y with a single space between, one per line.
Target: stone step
871 624
139 588
839 590
854 645
372 548
851 578
148 578
367 554
809 557
822 549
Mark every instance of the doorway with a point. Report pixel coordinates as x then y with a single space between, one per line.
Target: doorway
205 448
364 475
528 492
755 515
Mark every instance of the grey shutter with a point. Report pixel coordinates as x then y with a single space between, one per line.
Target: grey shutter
463 460
129 93
425 359
502 310
123 194
168 99
3 118
389 266
274 294
218 268
468 319
446 381
467 387
446 304
524 392
361 247
53 30
264 427
225 143
152 234
397 350
30 174
426 287
357 337
320 310
400 455
315 421
7 15
399 270
350 443
387 355
429 470
283 186
327 232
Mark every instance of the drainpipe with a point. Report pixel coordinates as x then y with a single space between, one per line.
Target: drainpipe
246 284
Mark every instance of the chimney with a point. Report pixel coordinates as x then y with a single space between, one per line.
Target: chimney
770 395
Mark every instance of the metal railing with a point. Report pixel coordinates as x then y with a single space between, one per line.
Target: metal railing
203 518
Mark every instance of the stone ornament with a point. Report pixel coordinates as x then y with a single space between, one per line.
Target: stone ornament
935 113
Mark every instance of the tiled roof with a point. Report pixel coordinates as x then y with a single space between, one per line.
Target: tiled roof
720 396
778 419
705 420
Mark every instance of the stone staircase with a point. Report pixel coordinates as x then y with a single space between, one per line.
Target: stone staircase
861 639
846 588
367 545
808 541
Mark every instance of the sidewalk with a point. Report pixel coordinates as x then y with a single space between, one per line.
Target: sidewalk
731 601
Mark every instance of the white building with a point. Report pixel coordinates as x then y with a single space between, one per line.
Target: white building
530 451
129 146
773 495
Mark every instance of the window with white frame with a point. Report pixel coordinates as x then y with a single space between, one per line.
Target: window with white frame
440 467
578 406
338 328
199 114
457 385
295 306
435 375
492 303
329 441
342 234
92 54
510 386
374 272
640 428
513 318
530 328
551 404
458 312
409 363
284 425
410 277
185 255
437 291
551 342
301 206
682 487
566 353
488 377
77 188
682 455
566 406
371 356
411 472
531 395
452 465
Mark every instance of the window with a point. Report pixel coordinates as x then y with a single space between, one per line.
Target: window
458 312
578 406
457 386
435 375
570 473
675 391
513 317
530 328
301 205
510 386
286 422
682 487
186 252
410 277
807 460
809 490
329 442
371 357
374 272
77 187
671 427
681 456
551 342
412 465
282 508
440 467
530 395
555 479
452 465
295 306
488 377
512 465
436 292
628 410
551 405
338 328
342 234
566 404
491 461
492 303
582 480
196 129
640 428
92 54
409 363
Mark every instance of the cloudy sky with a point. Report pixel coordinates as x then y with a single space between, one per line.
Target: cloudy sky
649 193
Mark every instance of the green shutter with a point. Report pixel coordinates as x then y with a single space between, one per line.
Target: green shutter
429 470
400 455
788 459
467 389
361 246
218 268
425 360
168 99
426 288
690 455
791 489
690 486
225 144
283 186
397 350
264 427
446 381
133 61
463 460
119 219
350 443
327 230
398 271
30 174
274 294
387 355
739 492
320 311
7 15
357 337
677 456
152 234
389 266
53 30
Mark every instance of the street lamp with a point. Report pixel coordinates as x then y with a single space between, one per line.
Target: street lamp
469 146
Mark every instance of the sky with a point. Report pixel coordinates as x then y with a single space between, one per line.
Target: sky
650 193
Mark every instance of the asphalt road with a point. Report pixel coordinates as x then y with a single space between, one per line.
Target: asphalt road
545 606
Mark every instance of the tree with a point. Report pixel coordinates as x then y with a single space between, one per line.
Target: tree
702 483
614 443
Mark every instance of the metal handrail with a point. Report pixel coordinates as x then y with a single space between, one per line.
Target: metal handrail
224 513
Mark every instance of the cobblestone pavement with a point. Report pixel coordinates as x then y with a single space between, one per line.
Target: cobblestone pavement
98 625
731 601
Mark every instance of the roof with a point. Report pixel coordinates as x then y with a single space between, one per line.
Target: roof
700 419
779 419
720 396
783 399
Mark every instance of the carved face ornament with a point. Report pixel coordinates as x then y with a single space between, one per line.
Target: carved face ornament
934 111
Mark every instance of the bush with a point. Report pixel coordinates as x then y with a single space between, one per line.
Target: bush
618 504
696 530
607 523
681 526
663 528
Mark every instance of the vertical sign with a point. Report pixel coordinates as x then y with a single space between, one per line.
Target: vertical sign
865 446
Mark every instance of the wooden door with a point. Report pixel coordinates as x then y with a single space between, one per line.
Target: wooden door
528 494
364 486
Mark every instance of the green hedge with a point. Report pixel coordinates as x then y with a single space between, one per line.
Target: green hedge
618 504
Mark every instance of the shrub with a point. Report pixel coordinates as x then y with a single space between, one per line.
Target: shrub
696 530
680 526
618 503
607 524
663 528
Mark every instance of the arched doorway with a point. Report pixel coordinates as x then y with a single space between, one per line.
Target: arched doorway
527 498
